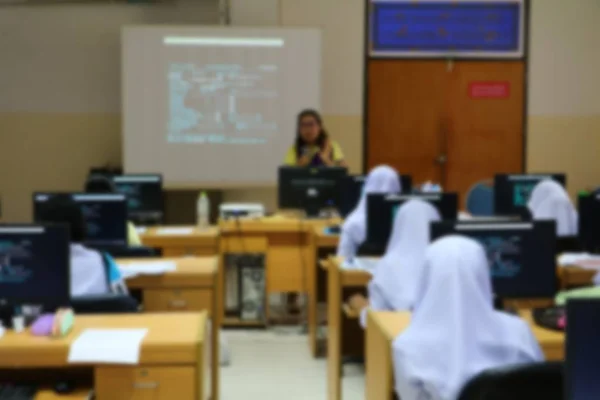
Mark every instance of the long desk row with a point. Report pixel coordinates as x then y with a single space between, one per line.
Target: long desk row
171 366
384 327
346 338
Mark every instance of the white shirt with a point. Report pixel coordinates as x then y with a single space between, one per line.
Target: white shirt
88 272
549 200
398 274
382 179
455 333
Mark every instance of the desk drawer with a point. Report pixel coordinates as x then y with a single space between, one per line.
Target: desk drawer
156 383
188 251
160 300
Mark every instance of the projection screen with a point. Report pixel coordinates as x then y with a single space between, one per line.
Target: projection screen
215 107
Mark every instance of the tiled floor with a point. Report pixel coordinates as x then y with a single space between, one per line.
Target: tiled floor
277 365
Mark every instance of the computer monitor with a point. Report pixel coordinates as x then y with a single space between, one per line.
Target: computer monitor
311 189
35 265
589 222
382 208
144 195
582 358
521 254
511 192
352 187
105 216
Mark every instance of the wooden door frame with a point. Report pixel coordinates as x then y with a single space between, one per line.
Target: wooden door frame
367 59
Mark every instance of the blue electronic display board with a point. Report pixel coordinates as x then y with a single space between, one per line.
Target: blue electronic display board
443 28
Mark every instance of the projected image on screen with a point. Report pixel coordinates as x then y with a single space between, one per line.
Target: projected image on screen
222 103
503 253
211 106
521 192
13 257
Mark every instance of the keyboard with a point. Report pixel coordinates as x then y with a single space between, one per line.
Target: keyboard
17 392
552 318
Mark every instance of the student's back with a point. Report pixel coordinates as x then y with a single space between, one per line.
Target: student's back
92 272
550 201
381 179
455 333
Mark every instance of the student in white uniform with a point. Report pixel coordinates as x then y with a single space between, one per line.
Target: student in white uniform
381 179
549 200
455 333
92 272
398 274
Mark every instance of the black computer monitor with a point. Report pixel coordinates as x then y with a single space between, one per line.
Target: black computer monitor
105 215
521 254
582 358
144 195
352 187
382 208
511 192
589 222
311 189
35 265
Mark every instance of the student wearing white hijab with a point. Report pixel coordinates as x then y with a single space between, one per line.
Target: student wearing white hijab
455 333
382 179
398 274
549 200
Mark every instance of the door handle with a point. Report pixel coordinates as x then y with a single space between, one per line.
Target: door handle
441 159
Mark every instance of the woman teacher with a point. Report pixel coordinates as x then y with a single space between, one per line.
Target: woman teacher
313 146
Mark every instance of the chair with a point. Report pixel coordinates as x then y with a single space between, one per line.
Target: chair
522 382
105 304
480 199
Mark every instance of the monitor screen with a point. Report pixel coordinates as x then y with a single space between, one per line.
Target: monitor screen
589 222
105 216
521 255
35 264
511 192
582 350
144 193
352 187
310 188
381 210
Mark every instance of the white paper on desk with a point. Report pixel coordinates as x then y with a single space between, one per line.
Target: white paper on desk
175 231
110 346
581 260
146 268
141 230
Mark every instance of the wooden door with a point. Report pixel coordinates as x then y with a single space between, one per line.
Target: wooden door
485 130
422 111
406 107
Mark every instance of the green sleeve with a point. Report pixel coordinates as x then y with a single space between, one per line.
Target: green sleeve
583 293
290 157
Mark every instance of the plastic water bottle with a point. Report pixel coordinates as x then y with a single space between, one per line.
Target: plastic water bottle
203 210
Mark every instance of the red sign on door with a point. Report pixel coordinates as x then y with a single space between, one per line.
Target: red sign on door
489 90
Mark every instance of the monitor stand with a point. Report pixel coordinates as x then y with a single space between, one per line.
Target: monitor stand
312 208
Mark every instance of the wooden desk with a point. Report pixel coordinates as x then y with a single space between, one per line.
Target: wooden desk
322 246
285 242
171 359
339 279
200 242
384 327
191 287
572 277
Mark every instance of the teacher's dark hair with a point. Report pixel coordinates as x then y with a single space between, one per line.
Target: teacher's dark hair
321 139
